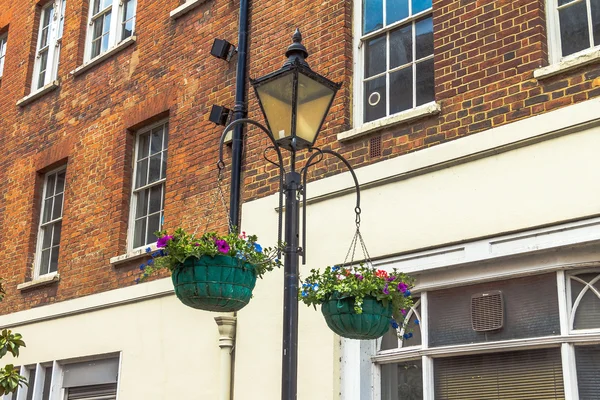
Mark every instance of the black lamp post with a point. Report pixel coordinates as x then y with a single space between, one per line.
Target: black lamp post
295 101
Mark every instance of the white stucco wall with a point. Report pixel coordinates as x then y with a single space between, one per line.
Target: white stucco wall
513 178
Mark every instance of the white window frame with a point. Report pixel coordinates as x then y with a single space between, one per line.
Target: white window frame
553 29
57 392
359 59
134 191
41 225
115 33
55 30
3 40
572 308
565 342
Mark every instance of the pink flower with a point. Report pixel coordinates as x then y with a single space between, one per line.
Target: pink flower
162 242
222 246
403 311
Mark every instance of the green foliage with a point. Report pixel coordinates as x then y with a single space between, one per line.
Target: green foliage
179 246
358 282
9 343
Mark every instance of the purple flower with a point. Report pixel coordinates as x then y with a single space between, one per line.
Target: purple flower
403 311
162 242
196 244
402 287
222 246
391 278
386 290
359 277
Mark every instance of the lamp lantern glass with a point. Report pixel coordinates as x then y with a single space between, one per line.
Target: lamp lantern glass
295 101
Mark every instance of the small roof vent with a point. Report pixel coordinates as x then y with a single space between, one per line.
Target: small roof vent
487 311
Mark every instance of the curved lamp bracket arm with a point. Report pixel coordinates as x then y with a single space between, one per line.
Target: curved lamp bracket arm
319 155
221 164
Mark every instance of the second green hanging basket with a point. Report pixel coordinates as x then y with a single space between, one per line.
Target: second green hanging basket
220 283
341 318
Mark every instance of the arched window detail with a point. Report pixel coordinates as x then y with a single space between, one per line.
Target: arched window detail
585 301
407 335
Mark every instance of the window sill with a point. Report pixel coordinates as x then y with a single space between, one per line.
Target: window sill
107 54
405 116
569 63
185 7
39 281
133 255
38 93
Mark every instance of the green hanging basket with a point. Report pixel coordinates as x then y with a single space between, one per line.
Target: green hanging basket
341 318
219 283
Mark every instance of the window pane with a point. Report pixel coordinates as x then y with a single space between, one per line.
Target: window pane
57 232
372 15
46 237
166 136
401 90
424 37
420 5
100 5
153 226
375 55
389 340
396 10
47 210
139 232
587 313
143 146
425 83
141 175
60 182
58 202
588 370
375 99
155 199
54 259
127 29
402 381
163 169
596 22
155 164
50 185
141 207
31 383
44 262
128 18
413 328
574 29
156 140
43 60
47 382
401 46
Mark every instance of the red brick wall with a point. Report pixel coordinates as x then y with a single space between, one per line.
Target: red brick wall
485 54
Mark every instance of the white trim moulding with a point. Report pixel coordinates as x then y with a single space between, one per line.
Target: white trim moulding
38 93
107 54
185 7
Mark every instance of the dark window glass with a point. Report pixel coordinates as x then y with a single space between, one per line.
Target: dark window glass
425 84
424 37
375 55
400 46
588 371
402 381
401 90
530 310
375 99
596 22
574 28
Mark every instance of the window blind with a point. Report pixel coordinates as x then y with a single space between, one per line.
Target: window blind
588 371
93 392
519 375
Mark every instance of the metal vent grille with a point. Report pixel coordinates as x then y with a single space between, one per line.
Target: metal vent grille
487 311
375 146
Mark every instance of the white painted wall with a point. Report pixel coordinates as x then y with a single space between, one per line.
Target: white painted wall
491 185
169 351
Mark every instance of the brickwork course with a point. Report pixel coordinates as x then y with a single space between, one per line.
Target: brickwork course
485 55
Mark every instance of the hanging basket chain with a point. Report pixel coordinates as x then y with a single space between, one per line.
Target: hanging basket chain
358 238
217 196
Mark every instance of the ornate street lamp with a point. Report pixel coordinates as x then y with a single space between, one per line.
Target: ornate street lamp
295 101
